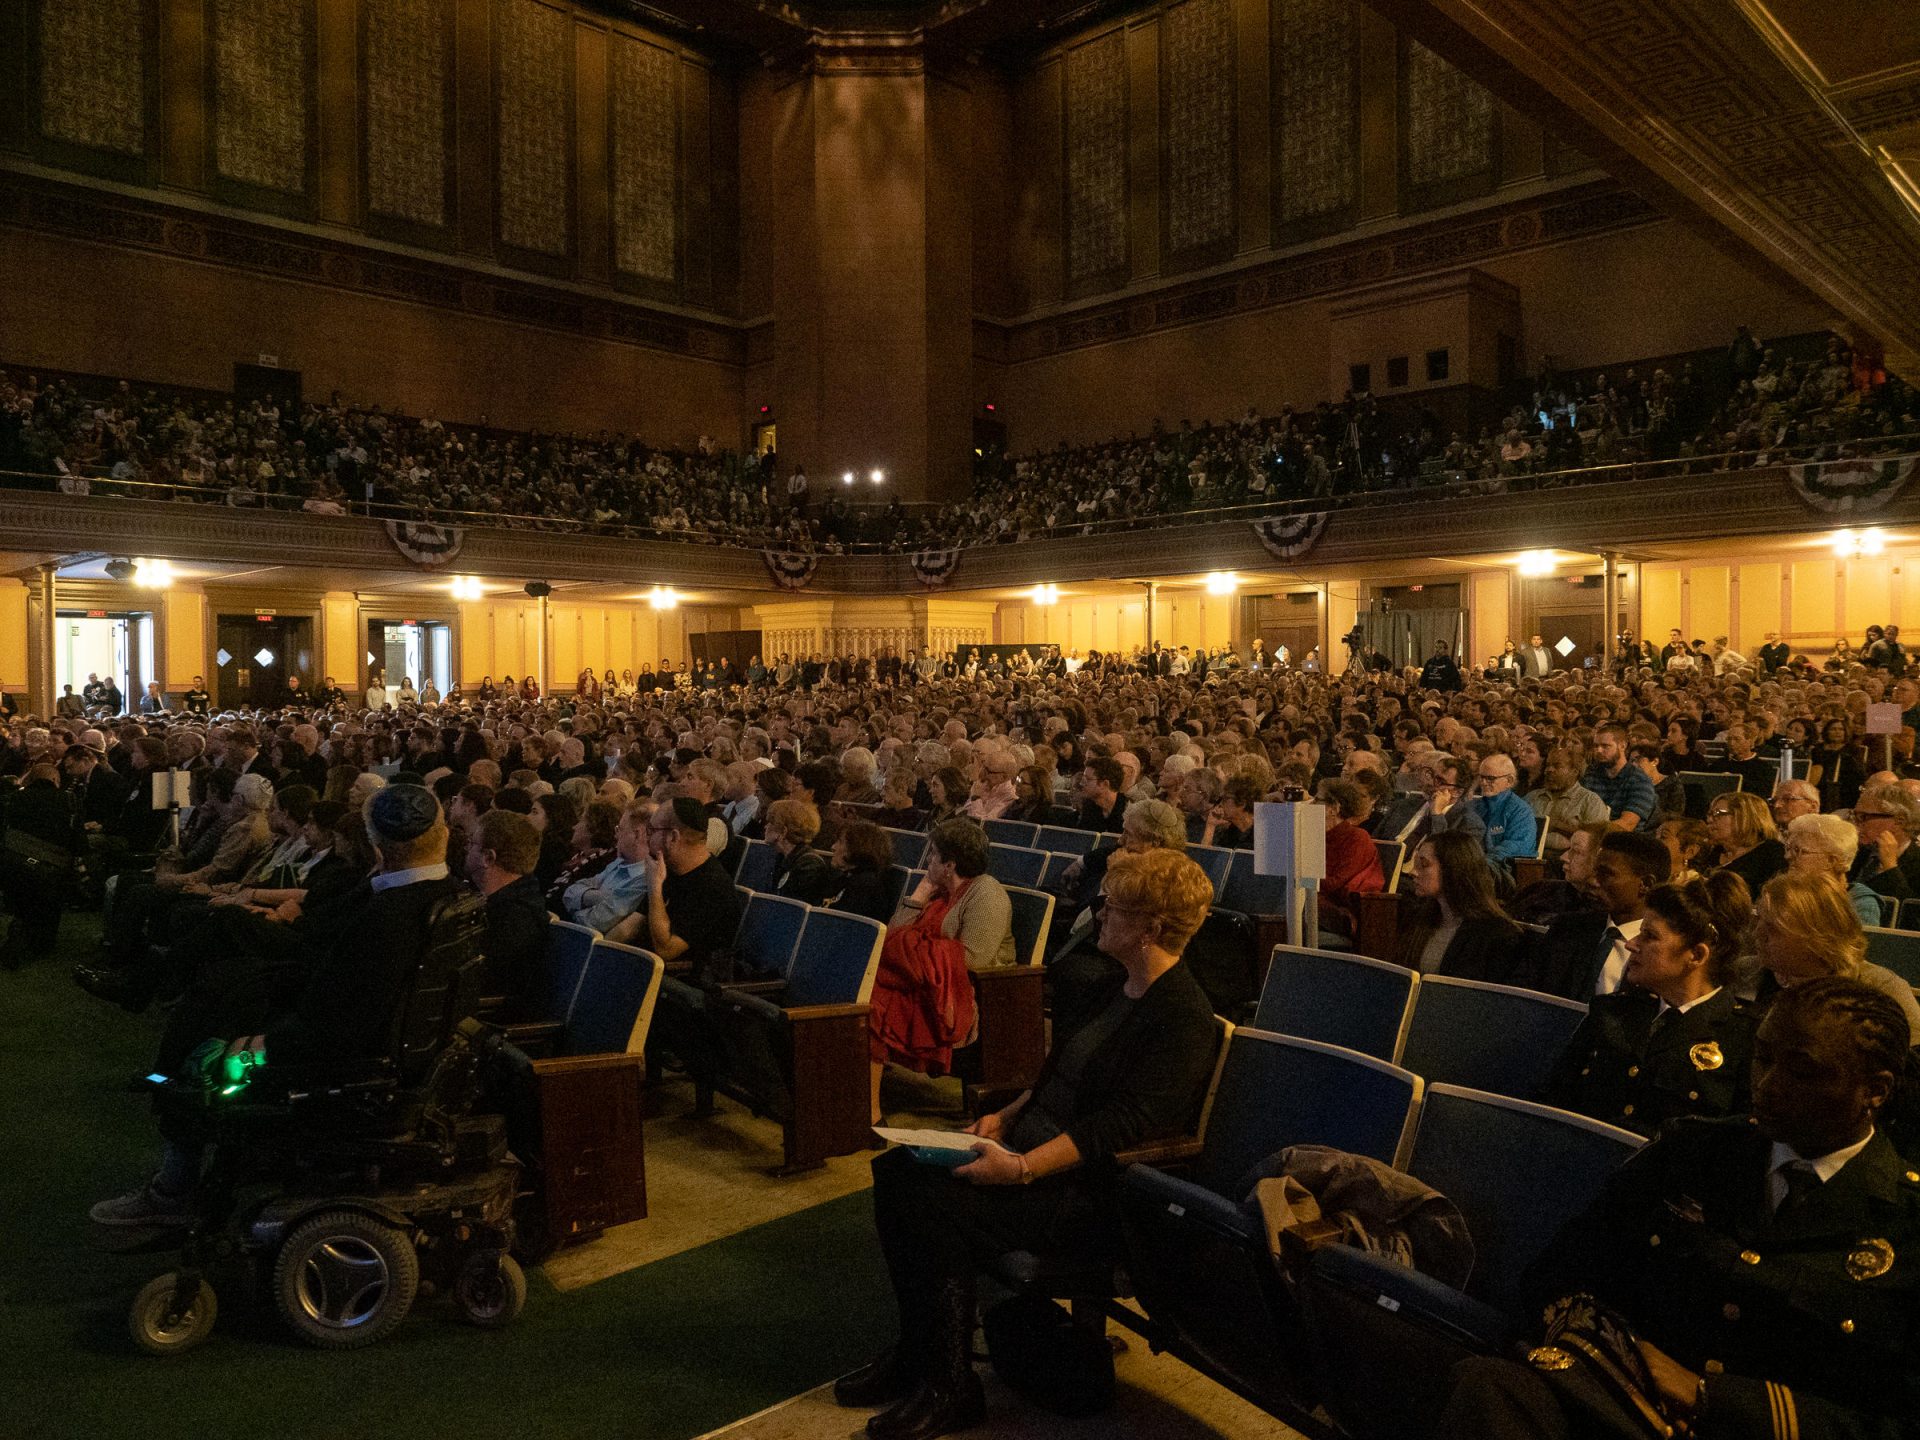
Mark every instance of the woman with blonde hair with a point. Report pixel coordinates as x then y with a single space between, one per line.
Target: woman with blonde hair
1130 1069
1826 845
1744 839
1806 928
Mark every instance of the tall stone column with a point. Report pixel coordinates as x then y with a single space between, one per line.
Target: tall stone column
43 621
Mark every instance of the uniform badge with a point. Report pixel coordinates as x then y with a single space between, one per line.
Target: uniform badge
1706 1056
1549 1357
1870 1259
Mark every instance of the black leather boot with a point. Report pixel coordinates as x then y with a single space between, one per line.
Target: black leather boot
950 1397
889 1376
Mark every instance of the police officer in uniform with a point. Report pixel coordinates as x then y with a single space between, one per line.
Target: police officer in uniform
1674 1039
1769 1268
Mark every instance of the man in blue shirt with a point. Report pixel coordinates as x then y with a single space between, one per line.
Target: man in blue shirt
1512 831
1617 780
603 900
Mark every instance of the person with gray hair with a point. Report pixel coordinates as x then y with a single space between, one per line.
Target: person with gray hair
1887 820
1792 799
856 777
1827 845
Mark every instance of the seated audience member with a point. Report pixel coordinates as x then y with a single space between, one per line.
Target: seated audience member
1669 795
861 858
1620 784
1229 824
896 809
1511 829
815 784
1675 1039
1200 791
503 850
856 777
769 785
958 919
1443 788
1792 799
1741 830
1353 864
1826 845
1887 817
1835 767
994 792
1758 774
1807 1339
348 1007
946 794
1585 953
1133 1068
1562 801
590 849
800 872
1078 966
554 815
692 909
1102 792
1454 925
1032 797
743 803
1686 842
606 897
34 865
1806 927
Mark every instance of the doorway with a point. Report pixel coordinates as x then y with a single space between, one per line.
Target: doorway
256 655
416 650
114 645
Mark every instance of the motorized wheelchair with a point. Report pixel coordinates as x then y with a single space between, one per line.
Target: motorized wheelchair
339 1193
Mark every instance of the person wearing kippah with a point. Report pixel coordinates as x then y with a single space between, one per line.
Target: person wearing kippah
347 1009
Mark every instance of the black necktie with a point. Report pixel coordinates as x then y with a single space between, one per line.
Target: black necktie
1803 1182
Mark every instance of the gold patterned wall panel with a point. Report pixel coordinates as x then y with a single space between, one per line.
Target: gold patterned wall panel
1096 168
261 73
1449 121
1315 109
534 126
407 61
1198 129
93 74
646 154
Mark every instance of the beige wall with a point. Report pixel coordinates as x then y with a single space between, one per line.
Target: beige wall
1805 593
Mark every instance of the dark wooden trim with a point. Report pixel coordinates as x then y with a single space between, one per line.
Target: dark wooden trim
243 194
398 229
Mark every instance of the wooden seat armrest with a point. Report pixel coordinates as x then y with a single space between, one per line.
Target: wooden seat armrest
535 1037
802 1014
757 987
1161 1154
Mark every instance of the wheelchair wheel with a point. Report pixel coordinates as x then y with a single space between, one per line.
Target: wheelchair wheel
155 1325
344 1279
490 1291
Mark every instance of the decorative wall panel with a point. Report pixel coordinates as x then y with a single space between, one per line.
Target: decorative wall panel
260 77
646 151
1449 121
1096 167
1198 133
92 73
535 125
407 62
1314 108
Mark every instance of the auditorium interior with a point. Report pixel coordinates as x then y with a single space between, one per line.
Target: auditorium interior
794 383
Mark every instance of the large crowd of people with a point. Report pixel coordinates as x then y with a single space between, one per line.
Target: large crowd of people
1750 407
1690 939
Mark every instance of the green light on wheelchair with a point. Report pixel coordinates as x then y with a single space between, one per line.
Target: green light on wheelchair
234 1089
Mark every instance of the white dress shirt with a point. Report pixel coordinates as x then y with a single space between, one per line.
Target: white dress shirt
1825 1166
1615 970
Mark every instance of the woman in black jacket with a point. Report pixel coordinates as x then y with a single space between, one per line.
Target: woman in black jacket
1674 1039
861 858
1131 1068
1455 926
799 871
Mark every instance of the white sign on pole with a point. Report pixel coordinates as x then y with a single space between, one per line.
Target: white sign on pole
1290 840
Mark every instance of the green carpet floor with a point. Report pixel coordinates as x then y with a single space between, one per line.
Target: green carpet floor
661 1353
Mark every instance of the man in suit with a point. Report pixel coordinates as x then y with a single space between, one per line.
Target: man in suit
1536 660
98 791
1585 953
1762 1264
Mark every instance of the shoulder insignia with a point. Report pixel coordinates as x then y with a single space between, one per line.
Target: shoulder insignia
1549 1357
1870 1259
1706 1056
